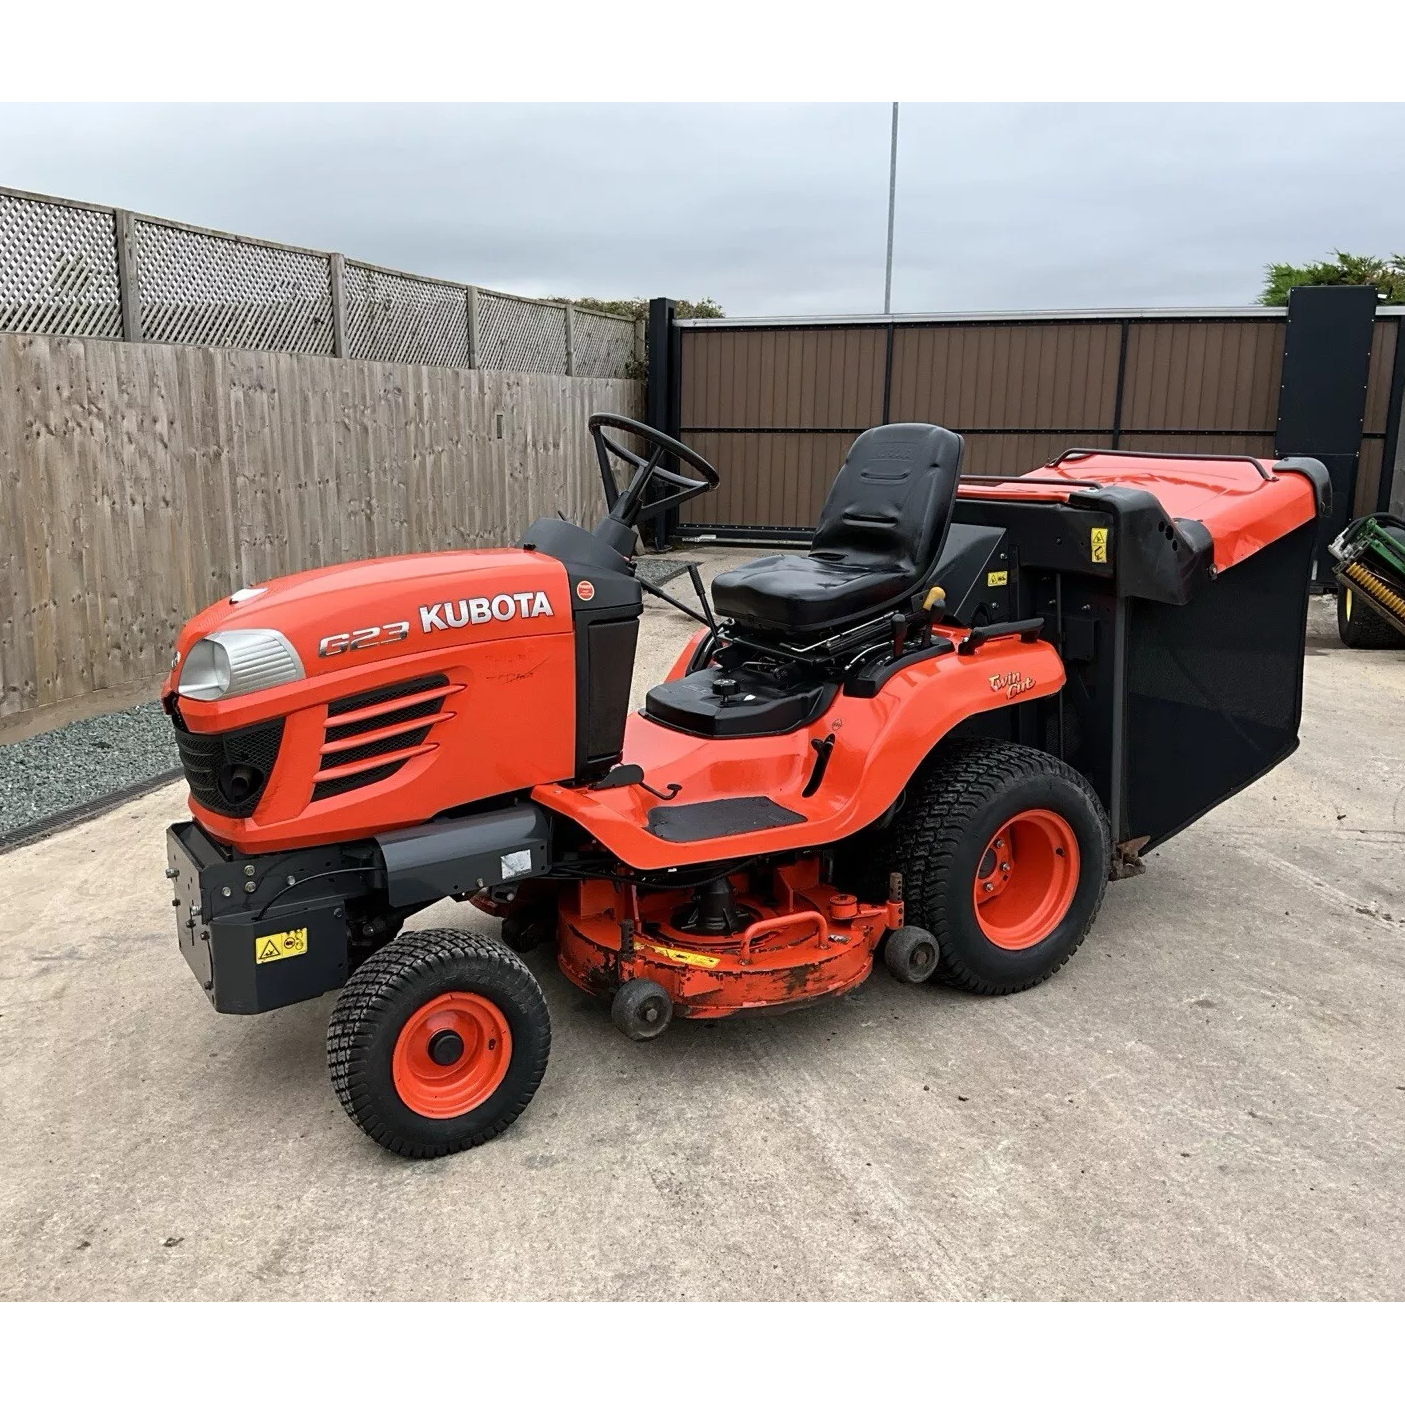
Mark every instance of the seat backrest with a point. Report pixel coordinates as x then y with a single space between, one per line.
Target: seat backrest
891 504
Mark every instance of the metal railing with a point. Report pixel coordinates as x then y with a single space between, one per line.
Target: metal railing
73 269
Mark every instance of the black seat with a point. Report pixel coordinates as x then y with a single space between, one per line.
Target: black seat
879 536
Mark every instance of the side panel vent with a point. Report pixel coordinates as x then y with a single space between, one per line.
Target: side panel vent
386 718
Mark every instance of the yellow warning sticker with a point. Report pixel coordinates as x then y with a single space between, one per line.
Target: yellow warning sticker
1099 545
997 578
687 958
280 945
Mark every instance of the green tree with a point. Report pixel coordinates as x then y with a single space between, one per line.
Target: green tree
639 307
1387 274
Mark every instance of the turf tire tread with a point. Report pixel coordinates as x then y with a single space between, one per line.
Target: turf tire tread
368 995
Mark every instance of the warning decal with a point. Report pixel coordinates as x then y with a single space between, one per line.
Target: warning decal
279 945
1099 545
994 578
687 958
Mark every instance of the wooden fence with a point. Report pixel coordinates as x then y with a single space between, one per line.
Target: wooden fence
140 482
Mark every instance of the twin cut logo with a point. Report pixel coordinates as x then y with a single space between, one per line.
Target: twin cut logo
454 614
1011 684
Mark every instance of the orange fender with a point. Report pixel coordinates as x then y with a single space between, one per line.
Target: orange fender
878 743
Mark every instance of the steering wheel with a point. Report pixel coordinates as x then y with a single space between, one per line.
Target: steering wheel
628 506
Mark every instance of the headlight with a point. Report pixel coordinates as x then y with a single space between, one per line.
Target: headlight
234 661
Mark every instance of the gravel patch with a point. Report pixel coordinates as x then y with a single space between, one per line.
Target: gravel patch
77 764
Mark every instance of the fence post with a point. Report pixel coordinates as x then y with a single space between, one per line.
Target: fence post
471 301
128 281
336 271
641 341
570 340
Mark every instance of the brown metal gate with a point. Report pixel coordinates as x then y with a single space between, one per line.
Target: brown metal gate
776 404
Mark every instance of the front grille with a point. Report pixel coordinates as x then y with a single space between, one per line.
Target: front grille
324 790
343 730
375 696
227 772
415 707
386 746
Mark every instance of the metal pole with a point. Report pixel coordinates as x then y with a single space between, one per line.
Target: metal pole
892 202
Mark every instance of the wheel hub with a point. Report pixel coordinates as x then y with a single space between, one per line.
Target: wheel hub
451 1055
1026 879
445 1047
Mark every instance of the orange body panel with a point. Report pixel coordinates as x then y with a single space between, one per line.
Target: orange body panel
508 716
878 743
1242 510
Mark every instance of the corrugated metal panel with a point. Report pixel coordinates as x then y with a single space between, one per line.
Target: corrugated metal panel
794 377
781 480
1187 382
1368 477
1043 376
1258 445
1022 453
768 480
1202 375
1383 345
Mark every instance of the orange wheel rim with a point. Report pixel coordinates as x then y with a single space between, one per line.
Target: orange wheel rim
451 1055
1026 879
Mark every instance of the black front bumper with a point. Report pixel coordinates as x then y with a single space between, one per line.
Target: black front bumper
250 947
265 930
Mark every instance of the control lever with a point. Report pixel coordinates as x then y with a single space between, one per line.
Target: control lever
923 618
622 776
823 747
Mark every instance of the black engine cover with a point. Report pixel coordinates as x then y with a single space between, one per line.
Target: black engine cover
716 703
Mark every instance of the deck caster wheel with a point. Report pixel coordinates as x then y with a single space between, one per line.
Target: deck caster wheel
641 1009
911 954
438 1042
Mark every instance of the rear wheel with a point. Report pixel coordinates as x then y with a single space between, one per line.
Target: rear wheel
1004 852
438 1042
1360 627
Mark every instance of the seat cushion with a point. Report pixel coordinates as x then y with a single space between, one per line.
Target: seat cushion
801 593
891 499
878 538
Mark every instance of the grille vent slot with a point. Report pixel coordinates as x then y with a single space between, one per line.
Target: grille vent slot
415 707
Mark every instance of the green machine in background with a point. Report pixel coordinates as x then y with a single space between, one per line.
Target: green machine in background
1370 572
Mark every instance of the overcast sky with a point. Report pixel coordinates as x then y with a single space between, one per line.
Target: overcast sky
770 209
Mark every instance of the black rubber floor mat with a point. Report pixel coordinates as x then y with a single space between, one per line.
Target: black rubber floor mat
711 819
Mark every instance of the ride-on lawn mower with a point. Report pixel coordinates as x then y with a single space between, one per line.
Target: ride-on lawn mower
1370 575
936 735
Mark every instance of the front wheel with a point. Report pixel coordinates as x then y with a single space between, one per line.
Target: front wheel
438 1042
1004 852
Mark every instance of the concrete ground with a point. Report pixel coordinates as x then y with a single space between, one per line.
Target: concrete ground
1209 1101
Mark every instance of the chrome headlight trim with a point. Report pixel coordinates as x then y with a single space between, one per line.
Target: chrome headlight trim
232 662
